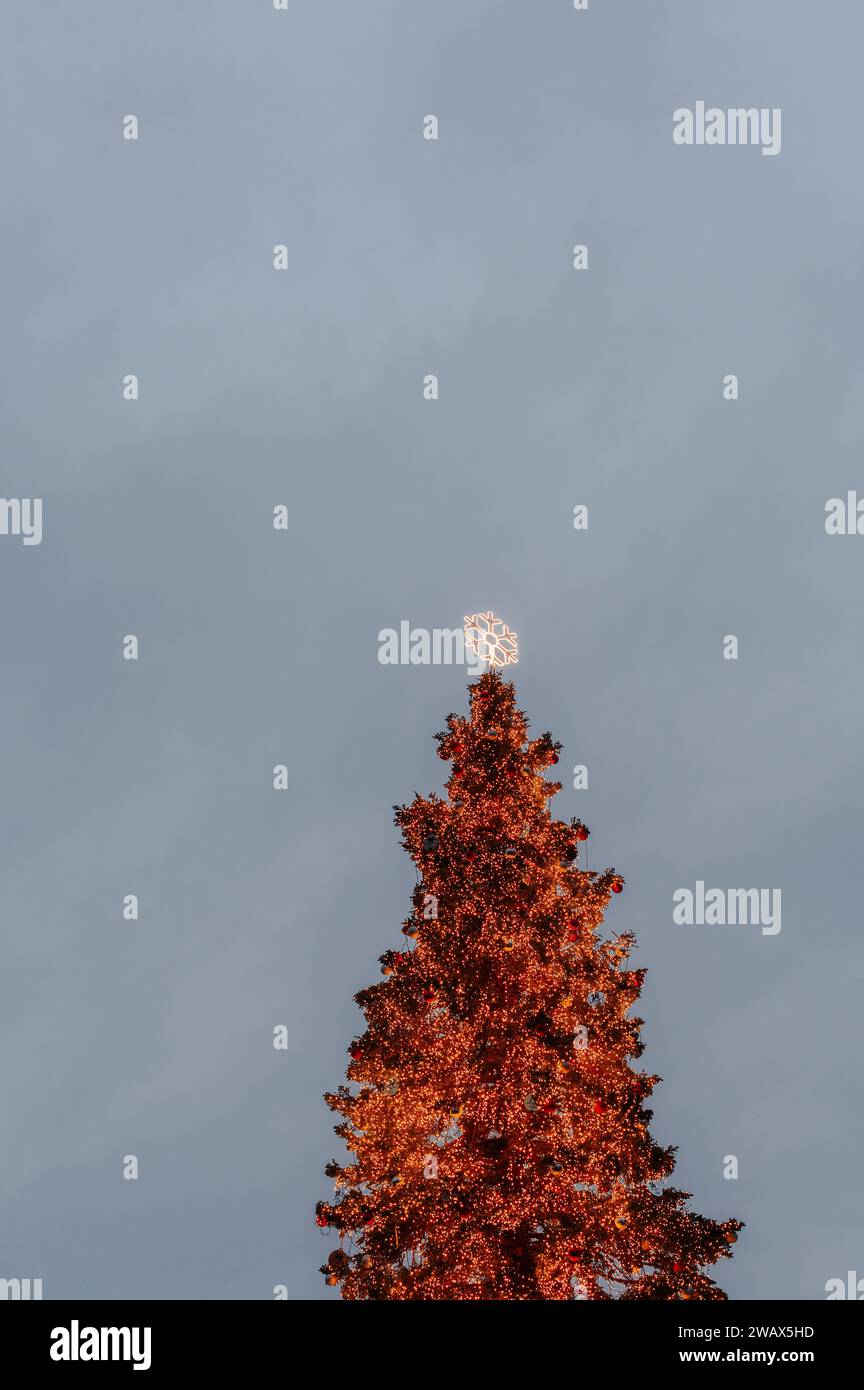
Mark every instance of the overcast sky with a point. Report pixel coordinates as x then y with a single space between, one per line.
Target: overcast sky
304 387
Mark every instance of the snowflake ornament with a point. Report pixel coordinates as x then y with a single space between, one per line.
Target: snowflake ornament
489 639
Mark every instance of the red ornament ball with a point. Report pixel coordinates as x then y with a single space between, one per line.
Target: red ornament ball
582 833
617 886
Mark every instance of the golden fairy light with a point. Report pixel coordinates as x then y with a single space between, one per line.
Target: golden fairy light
496 1117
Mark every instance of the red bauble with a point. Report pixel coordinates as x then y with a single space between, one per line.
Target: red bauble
356 1051
582 833
617 886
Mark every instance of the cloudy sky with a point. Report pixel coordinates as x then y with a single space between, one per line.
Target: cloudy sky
304 387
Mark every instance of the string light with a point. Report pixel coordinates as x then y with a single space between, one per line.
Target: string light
489 639
498 1132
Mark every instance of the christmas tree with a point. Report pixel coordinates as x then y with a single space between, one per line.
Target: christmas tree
498 1133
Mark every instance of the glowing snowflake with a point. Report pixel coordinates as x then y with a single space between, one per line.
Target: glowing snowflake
488 638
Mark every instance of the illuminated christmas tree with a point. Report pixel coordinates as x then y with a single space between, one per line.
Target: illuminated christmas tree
498 1134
